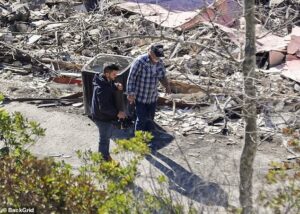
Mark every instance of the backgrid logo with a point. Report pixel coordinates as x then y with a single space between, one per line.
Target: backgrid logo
18 210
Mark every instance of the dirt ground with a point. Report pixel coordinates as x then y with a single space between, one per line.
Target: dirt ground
202 170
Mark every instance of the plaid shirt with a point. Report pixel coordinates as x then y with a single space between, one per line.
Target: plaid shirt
143 79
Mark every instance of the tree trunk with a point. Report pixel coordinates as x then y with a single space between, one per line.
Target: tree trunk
249 110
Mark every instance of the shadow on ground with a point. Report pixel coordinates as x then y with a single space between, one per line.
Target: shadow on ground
180 180
189 184
160 140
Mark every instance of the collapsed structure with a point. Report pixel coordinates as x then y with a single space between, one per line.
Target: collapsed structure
45 44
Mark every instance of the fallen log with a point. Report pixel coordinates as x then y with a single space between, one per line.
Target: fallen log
179 103
61 65
26 99
184 88
17 70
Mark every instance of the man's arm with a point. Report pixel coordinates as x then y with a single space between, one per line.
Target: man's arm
163 77
131 81
164 81
118 99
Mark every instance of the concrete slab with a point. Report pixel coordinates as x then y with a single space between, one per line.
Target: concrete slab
201 170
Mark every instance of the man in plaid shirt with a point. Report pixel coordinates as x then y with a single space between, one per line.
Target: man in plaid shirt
145 73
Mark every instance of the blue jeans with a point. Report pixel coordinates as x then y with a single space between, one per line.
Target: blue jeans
144 116
105 133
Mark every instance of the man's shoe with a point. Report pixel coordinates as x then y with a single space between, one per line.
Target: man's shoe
109 159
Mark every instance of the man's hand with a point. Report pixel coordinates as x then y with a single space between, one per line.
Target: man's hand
166 84
121 115
131 99
168 89
119 86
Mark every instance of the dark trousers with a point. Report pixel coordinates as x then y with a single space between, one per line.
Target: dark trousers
105 133
144 116
106 128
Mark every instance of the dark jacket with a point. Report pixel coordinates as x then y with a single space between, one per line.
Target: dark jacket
103 102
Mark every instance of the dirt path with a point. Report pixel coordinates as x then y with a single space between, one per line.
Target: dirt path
202 168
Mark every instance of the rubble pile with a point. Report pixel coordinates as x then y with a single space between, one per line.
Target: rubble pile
45 43
278 15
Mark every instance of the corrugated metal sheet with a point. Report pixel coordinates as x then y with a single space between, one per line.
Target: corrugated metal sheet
294 45
185 14
271 42
292 70
276 58
176 5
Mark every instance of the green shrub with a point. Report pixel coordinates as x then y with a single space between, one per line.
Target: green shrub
285 178
17 132
53 187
